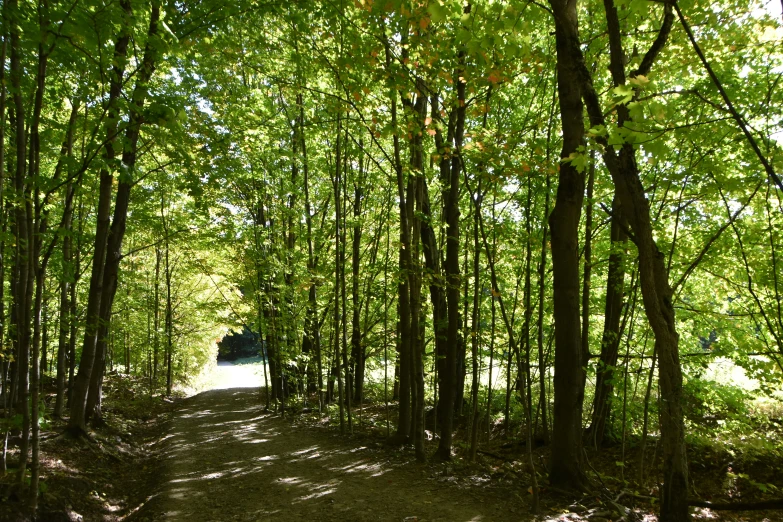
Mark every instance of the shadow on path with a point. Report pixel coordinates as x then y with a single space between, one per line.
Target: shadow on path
225 459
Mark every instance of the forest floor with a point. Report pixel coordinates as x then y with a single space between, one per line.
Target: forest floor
99 480
219 456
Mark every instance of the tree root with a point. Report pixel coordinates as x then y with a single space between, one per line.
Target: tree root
75 434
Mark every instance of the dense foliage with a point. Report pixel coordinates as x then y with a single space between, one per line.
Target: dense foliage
560 219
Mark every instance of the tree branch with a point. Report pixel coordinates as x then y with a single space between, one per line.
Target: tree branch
740 121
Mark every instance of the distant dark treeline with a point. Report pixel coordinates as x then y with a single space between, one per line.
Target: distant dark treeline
236 345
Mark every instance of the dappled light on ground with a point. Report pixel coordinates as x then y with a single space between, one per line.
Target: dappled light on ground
227 459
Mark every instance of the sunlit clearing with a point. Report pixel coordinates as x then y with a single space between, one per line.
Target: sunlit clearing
229 375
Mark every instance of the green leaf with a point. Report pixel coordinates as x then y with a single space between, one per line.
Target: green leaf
597 131
616 138
622 94
437 11
638 6
578 159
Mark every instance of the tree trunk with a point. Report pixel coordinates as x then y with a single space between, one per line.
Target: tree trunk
432 262
74 330
403 373
78 403
24 244
156 319
542 370
119 220
168 321
357 349
432 259
337 271
417 340
344 241
475 330
653 276
566 465
610 339
3 225
44 336
311 341
62 340
588 265
451 211
35 375
68 278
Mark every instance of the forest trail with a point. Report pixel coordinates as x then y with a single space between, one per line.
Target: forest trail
225 459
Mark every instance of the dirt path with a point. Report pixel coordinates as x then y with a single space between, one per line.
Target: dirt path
225 459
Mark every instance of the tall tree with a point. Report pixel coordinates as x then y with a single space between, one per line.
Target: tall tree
567 464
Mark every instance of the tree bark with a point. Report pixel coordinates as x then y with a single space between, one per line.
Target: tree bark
24 241
475 330
337 271
566 466
588 264
653 276
78 403
403 382
119 220
341 280
168 316
357 349
542 370
610 339
68 276
311 341
156 318
453 279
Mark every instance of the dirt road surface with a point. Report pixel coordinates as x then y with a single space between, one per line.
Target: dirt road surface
225 459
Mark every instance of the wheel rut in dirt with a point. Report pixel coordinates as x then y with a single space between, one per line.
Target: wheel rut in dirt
224 458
